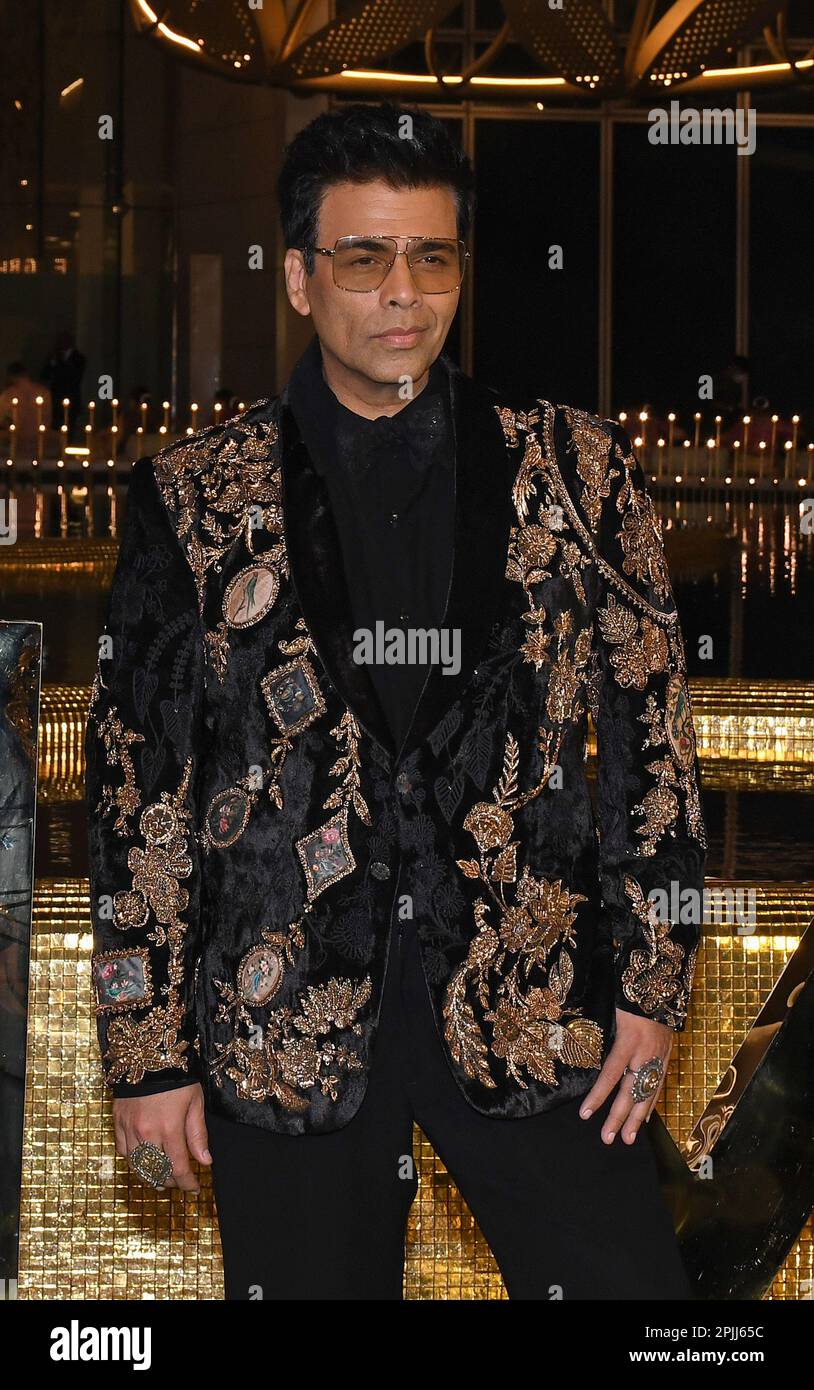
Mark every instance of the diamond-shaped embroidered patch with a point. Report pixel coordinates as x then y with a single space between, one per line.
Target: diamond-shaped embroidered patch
326 855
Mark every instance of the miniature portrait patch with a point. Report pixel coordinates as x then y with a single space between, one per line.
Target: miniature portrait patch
326 855
226 818
293 696
678 722
259 975
122 980
250 595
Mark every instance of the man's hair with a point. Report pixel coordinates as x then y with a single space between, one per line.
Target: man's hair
361 143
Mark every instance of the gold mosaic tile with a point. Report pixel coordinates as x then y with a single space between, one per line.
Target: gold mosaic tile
752 736
48 564
89 1230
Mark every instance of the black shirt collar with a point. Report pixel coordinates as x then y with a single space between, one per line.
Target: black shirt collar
337 437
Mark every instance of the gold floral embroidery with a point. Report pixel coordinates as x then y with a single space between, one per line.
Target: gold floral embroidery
695 820
590 439
640 539
684 774
659 806
346 767
217 643
571 562
218 482
641 650
531 1026
532 547
531 544
293 1051
653 978
565 679
117 741
513 421
654 719
137 1046
221 482
157 870
535 647
564 500
641 535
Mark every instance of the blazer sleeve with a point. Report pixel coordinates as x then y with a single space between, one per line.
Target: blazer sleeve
652 836
142 750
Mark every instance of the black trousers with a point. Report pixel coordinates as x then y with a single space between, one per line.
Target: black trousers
324 1216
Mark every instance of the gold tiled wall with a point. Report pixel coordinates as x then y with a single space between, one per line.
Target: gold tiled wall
751 734
89 1230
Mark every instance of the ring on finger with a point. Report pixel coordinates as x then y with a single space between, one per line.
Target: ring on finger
646 1079
150 1163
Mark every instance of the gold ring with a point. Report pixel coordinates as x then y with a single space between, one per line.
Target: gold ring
150 1163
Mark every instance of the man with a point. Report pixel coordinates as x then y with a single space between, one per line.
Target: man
63 372
411 910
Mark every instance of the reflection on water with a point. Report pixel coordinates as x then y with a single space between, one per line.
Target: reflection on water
743 574
760 835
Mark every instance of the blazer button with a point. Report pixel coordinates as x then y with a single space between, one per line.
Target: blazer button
379 869
403 783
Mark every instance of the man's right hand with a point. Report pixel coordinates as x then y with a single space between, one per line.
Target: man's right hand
174 1121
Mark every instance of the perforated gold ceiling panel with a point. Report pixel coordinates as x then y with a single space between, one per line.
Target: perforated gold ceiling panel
574 42
695 34
367 32
575 49
226 31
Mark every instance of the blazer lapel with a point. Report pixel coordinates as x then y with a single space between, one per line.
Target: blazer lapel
318 577
482 527
481 538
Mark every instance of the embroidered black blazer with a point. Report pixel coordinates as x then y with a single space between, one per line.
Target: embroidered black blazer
254 832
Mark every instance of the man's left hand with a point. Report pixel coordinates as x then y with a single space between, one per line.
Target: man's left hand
637 1041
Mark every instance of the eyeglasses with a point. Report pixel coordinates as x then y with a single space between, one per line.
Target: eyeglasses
362 263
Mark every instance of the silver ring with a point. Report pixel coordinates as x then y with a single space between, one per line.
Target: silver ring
150 1163
646 1078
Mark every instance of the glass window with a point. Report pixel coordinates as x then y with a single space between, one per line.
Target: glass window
538 189
781 321
673 266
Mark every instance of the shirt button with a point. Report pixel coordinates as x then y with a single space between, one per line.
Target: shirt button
404 617
403 783
379 869
394 518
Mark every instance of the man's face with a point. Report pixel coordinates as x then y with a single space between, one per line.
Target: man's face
359 328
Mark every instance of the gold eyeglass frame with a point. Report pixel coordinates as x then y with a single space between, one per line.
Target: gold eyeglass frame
377 236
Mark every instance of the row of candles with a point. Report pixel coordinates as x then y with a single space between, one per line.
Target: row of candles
111 432
709 459
706 459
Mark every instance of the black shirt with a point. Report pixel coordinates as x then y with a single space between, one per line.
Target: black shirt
391 485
